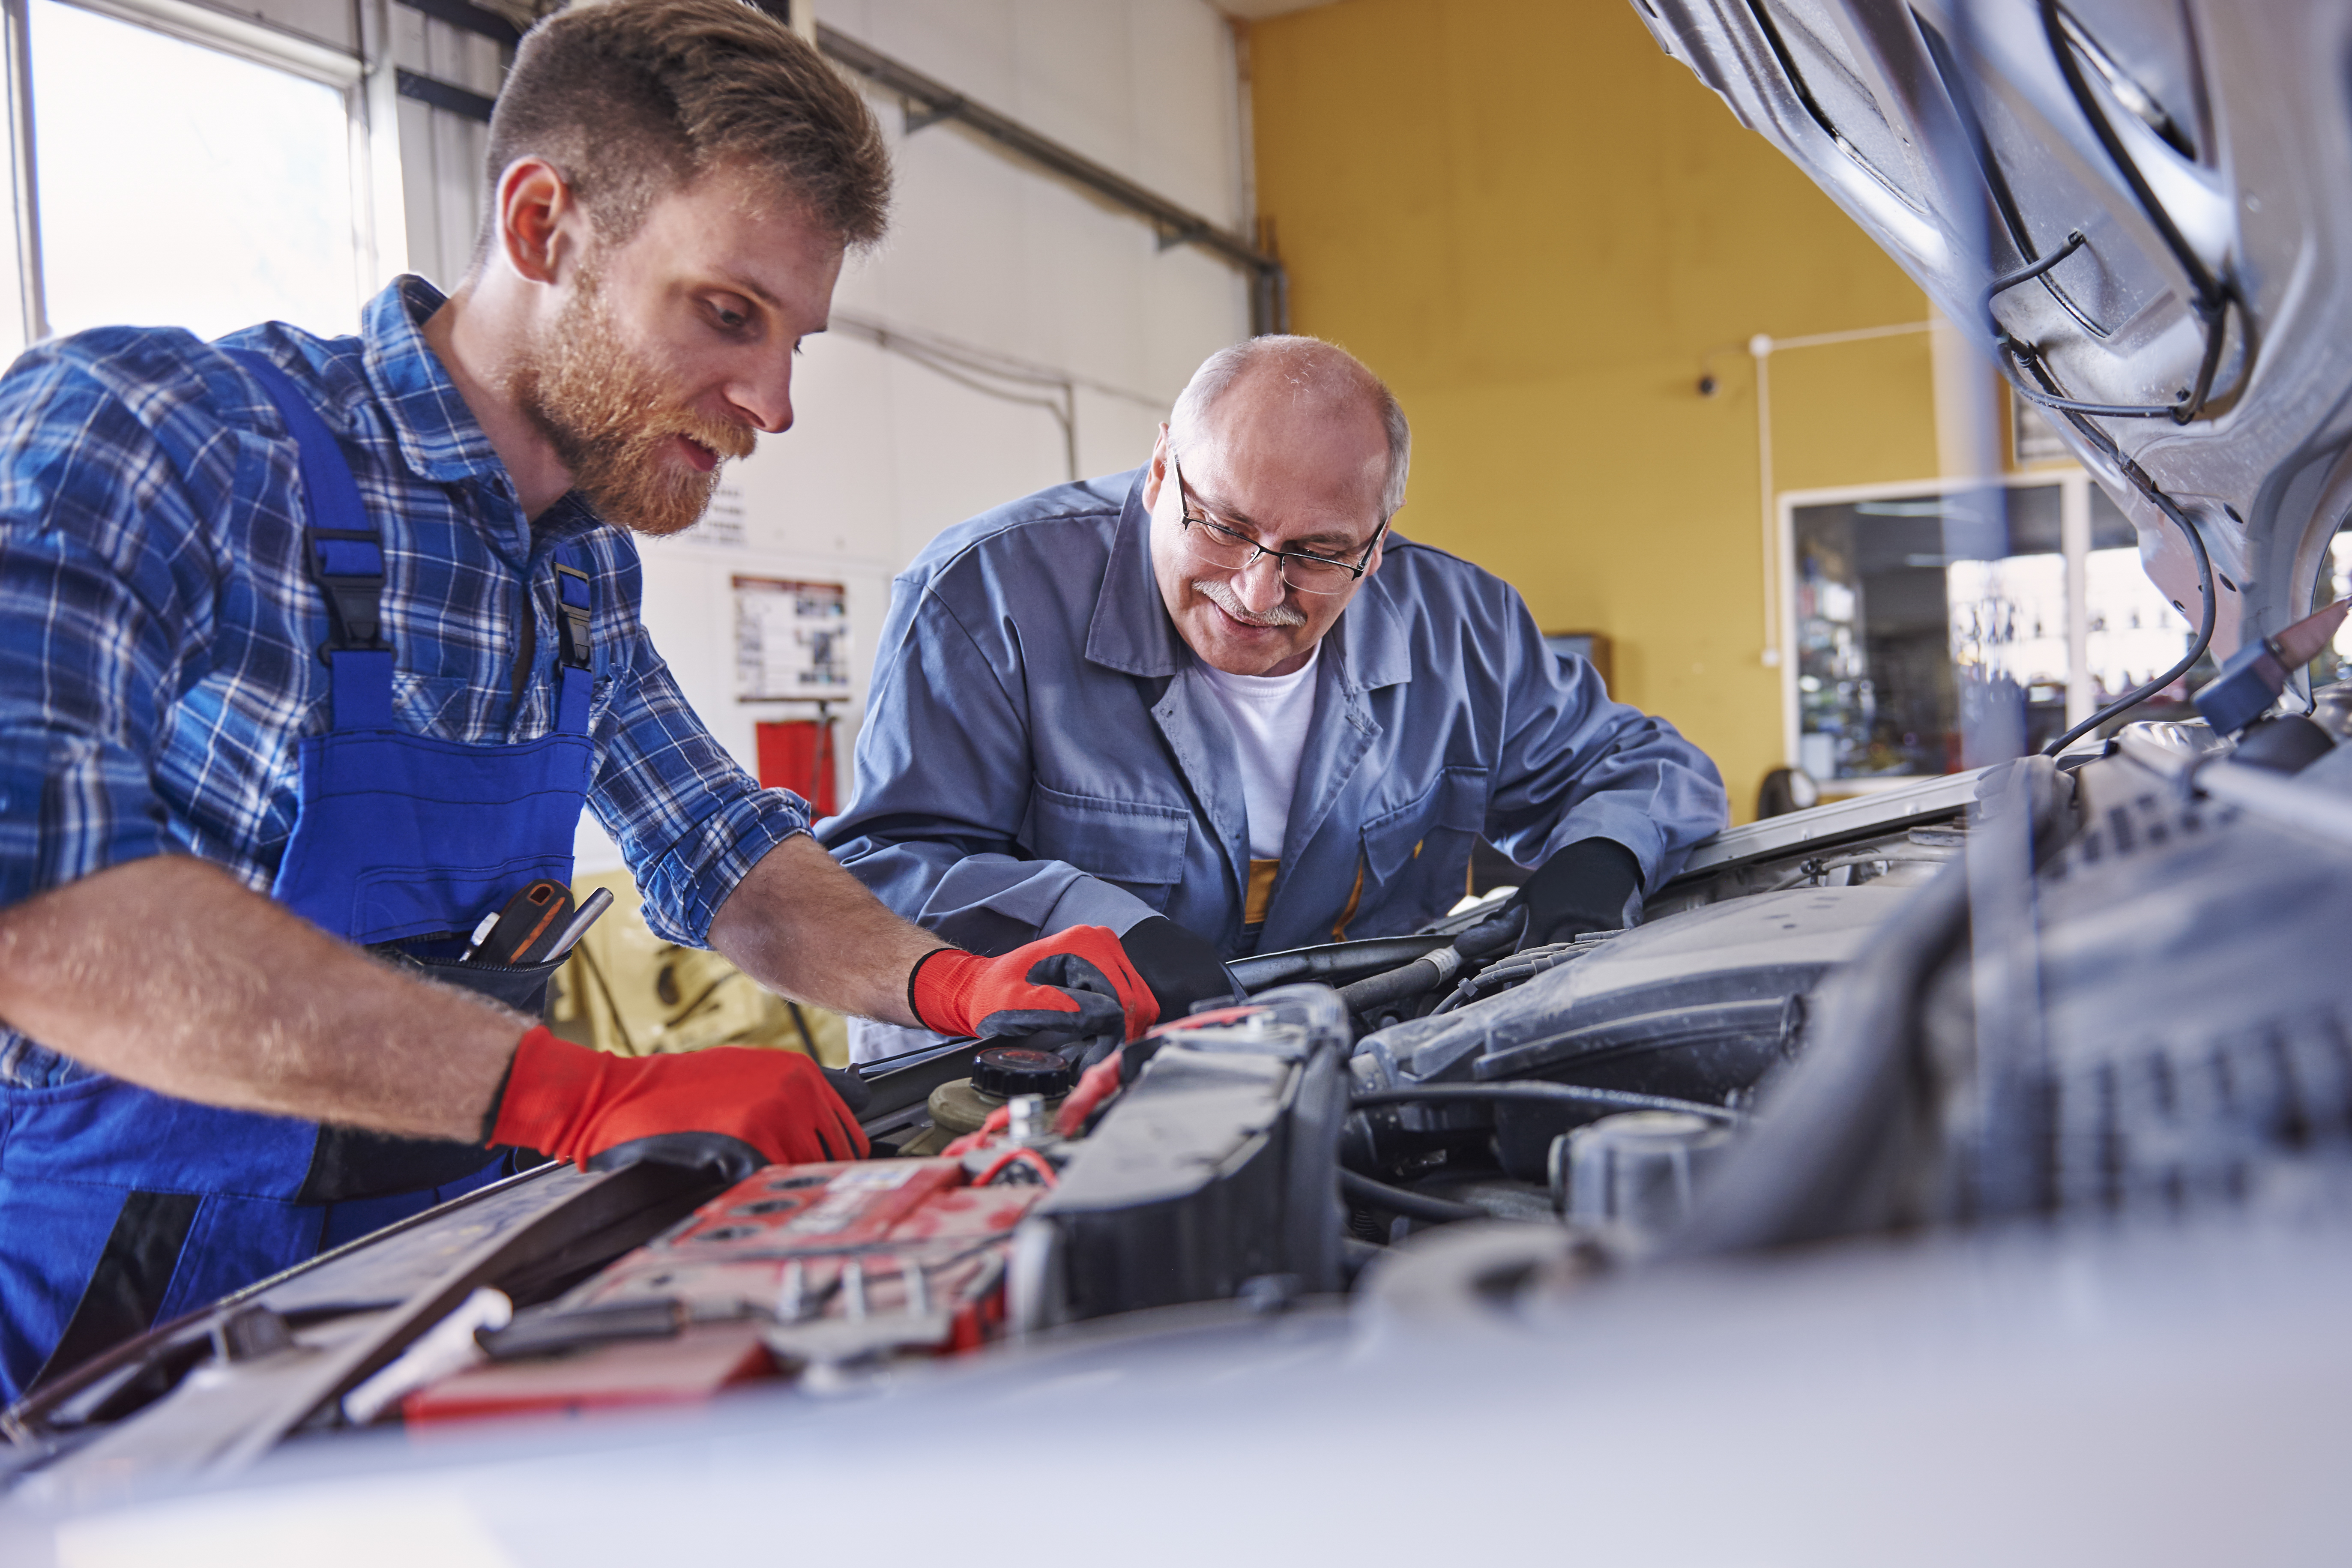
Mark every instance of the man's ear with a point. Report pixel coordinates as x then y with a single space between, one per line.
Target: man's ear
540 224
1379 548
1157 473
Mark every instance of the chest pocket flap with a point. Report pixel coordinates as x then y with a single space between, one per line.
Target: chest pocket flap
1120 841
1456 802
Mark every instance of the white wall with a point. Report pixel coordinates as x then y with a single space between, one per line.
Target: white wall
992 255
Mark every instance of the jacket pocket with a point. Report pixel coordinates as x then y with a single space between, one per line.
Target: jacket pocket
1139 847
1431 835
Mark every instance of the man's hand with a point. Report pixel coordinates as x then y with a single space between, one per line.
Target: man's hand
1079 980
1585 886
728 1107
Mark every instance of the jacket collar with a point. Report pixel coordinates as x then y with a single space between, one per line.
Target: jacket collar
1132 630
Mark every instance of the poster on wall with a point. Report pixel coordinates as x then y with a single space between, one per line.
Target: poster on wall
792 639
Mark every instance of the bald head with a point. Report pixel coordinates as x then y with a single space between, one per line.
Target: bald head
1301 382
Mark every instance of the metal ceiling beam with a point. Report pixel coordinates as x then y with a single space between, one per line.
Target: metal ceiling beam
445 95
470 17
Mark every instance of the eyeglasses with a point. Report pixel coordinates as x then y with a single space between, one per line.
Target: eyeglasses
1230 550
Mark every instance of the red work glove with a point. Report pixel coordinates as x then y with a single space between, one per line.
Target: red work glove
728 1106
1078 980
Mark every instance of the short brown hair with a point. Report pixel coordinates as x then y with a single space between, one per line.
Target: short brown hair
629 99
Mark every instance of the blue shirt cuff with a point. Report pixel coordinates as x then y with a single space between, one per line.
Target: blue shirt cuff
684 889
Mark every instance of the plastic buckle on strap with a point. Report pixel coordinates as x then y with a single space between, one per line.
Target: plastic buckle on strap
348 566
575 599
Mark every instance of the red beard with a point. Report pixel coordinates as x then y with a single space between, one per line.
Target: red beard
608 413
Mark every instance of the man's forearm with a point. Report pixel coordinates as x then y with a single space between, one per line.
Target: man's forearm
170 973
801 925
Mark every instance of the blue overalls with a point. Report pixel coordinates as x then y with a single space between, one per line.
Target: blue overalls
121 1208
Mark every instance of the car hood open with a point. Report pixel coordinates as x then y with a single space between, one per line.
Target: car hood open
2201 152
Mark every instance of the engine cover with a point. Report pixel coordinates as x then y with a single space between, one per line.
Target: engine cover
1697 1005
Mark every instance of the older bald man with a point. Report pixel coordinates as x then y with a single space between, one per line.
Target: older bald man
1219 705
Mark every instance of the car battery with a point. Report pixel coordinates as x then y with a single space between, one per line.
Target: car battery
800 1268
1217 1165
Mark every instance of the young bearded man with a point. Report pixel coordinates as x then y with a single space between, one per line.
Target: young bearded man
312 648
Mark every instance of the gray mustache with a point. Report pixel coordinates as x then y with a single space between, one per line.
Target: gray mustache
1224 599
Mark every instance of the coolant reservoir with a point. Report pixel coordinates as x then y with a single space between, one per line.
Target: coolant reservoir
1634 1171
999 1074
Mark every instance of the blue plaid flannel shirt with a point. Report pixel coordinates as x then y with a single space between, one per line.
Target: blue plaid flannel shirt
157 633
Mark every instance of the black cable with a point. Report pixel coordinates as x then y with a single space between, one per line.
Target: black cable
1328 963
2133 474
2017 352
1423 975
1397 1200
2214 296
2004 200
2141 693
1623 1099
2204 638
2029 272
1513 971
1432 968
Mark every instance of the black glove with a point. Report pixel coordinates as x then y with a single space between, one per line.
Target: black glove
1180 968
1583 888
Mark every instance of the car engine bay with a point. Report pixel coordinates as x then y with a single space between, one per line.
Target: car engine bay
1787 1053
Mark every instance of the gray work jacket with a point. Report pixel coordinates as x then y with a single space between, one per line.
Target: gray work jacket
1041 749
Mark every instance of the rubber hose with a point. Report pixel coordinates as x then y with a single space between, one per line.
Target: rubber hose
1396 1200
1423 974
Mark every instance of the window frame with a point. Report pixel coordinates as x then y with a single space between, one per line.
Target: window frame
2074 485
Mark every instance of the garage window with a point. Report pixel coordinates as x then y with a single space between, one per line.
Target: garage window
178 165
184 185
1885 622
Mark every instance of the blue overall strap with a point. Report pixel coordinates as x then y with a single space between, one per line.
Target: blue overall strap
344 554
575 597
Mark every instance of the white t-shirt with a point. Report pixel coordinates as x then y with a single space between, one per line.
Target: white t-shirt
1270 714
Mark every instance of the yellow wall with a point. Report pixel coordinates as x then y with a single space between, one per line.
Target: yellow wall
1537 227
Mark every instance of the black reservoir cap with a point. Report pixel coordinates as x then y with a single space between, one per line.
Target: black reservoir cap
1008 1070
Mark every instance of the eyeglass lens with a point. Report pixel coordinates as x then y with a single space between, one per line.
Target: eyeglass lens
1214 547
